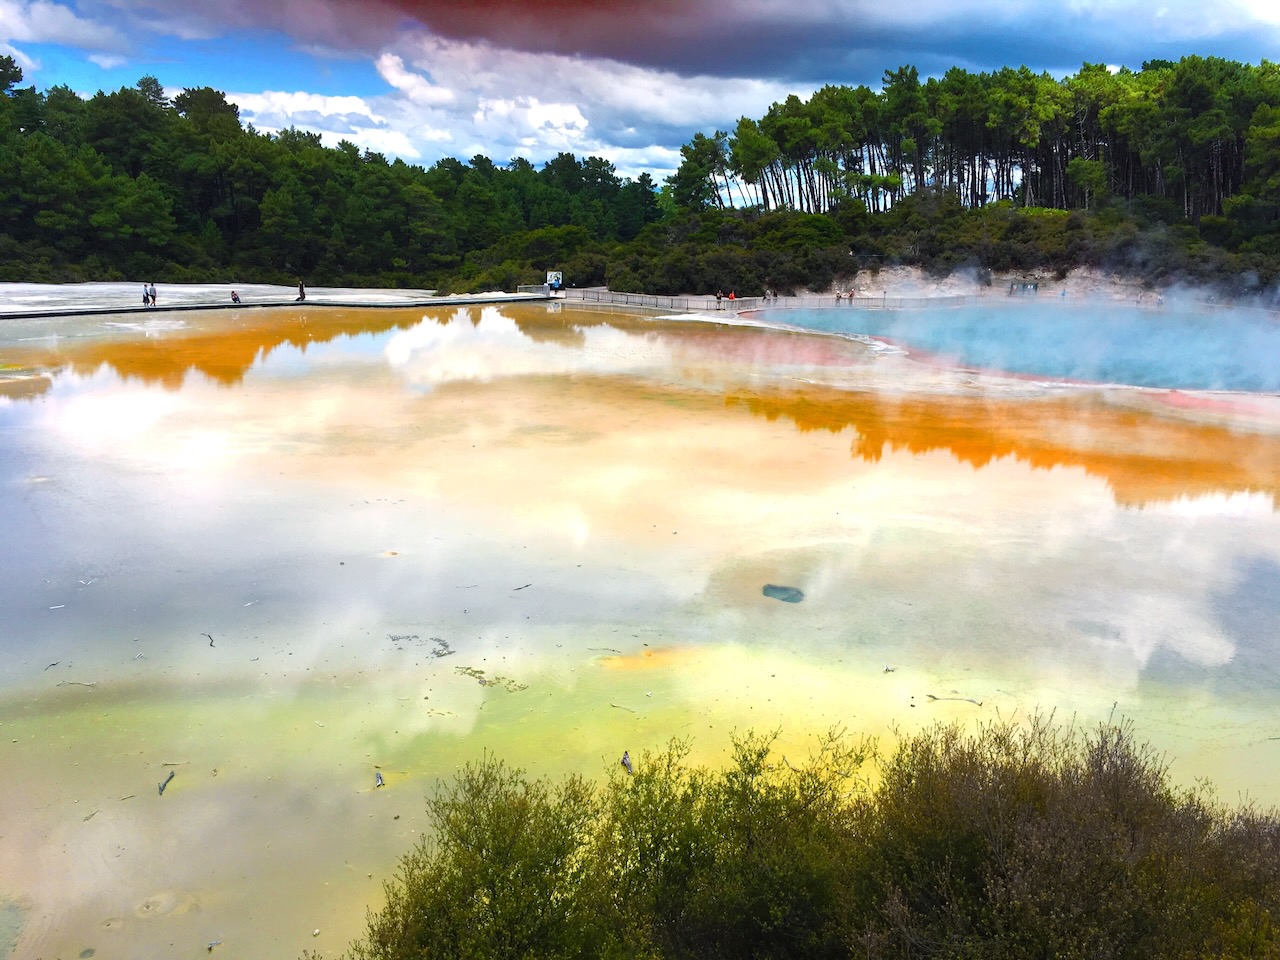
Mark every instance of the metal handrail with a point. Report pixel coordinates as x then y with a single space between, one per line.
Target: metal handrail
705 304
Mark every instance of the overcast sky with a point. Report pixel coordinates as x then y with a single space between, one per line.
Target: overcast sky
629 80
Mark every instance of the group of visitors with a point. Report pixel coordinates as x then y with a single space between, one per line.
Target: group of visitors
149 294
769 294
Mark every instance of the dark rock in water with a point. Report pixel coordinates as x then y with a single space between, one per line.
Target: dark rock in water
785 594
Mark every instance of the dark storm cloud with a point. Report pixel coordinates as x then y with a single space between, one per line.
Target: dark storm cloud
800 41
853 41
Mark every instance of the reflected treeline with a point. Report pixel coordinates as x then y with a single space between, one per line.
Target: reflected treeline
224 353
1156 448
1143 456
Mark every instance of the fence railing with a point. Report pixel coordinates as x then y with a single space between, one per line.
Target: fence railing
654 302
704 304
745 304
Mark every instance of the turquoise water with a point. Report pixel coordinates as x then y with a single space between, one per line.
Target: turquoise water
1152 347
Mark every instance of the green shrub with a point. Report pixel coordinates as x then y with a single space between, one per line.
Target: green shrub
1014 841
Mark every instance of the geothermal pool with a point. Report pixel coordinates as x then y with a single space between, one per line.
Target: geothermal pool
276 553
1108 343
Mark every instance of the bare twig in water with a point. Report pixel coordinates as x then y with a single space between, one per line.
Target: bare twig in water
621 707
77 683
54 664
90 816
514 589
166 782
604 650
175 763
976 703
210 636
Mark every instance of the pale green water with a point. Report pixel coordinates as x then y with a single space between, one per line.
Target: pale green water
365 511
10 927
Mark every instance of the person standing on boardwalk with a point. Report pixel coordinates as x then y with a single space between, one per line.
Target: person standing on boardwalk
152 292
302 291
146 296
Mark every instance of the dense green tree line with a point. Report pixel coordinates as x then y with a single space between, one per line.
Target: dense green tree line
1171 172
1201 133
1016 841
130 183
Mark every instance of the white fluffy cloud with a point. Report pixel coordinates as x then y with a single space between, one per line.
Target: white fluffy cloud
504 104
598 87
27 64
39 21
461 98
108 61
335 119
275 107
414 86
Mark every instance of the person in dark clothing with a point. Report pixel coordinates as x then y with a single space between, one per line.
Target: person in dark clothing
302 291
235 297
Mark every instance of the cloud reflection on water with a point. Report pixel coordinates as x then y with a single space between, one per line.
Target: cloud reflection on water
588 505
1180 450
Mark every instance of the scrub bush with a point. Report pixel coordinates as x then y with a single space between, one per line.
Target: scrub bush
1014 840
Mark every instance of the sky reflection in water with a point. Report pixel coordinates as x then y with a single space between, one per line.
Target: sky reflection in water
354 505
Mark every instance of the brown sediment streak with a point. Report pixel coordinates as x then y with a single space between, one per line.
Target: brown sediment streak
220 348
1143 456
